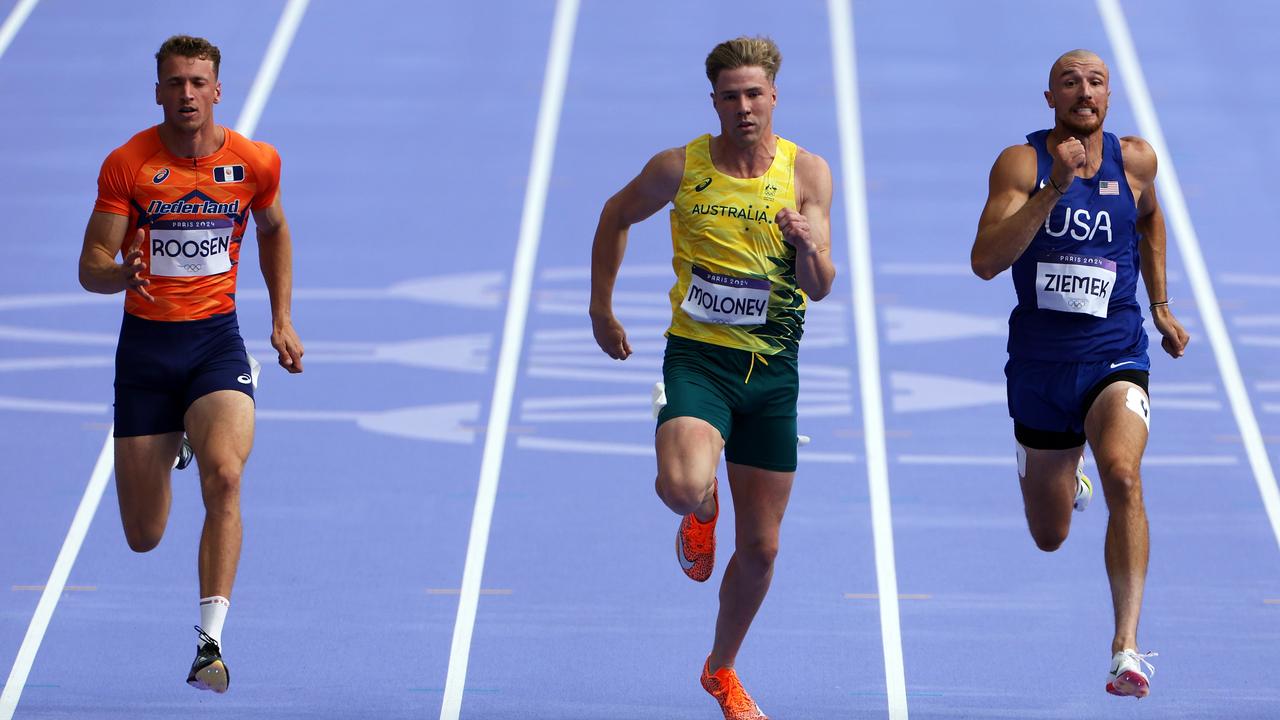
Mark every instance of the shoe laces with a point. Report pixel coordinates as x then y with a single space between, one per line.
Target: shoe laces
697 536
735 696
738 700
205 638
1141 660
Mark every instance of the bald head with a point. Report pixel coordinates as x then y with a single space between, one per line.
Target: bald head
1076 59
1079 92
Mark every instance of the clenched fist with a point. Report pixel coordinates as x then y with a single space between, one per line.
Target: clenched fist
795 229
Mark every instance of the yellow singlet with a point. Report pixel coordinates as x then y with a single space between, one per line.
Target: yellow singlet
735 276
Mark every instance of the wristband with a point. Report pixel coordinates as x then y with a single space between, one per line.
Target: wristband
1061 192
1155 305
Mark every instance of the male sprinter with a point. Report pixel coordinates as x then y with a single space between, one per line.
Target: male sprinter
174 202
1074 213
751 231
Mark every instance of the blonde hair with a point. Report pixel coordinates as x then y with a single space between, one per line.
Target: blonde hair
744 51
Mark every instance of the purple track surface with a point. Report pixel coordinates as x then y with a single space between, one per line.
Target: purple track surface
406 131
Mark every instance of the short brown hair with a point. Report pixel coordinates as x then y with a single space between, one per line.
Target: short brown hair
744 51
189 47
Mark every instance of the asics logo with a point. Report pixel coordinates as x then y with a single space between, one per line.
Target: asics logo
1126 362
244 379
702 185
685 562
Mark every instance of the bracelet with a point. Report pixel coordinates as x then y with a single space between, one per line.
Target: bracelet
1061 192
1155 305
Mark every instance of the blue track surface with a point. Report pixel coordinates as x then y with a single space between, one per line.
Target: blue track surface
406 131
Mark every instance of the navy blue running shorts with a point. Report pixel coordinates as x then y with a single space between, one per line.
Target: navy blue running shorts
163 367
1048 401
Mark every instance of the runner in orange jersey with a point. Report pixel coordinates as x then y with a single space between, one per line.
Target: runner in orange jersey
174 201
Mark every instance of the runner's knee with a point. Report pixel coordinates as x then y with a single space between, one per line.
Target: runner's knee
221 486
1049 536
142 535
757 554
681 491
1122 482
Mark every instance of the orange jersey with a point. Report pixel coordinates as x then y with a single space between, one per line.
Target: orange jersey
194 212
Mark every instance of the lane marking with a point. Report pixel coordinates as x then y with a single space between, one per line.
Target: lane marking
57 580
65 588
269 70
855 202
458 591
1184 232
280 41
12 24
535 200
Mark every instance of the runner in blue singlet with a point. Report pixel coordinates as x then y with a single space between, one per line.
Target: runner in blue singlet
1074 213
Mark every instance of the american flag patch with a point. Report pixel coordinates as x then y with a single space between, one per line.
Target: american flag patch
1109 187
228 174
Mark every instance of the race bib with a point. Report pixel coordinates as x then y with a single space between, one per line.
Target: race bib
1074 283
725 300
191 248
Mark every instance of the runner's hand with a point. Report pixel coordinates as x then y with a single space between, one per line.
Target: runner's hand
133 267
289 347
795 228
1173 338
1068 156
611 337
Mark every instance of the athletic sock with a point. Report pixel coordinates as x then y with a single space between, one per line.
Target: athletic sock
213 613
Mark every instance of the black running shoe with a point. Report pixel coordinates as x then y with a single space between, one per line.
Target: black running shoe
185 455
208 672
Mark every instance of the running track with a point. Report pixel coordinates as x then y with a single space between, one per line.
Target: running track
442 225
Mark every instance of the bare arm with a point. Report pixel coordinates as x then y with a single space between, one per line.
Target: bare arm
99 271
1140 167
809 230
655 186
275 255
1013 214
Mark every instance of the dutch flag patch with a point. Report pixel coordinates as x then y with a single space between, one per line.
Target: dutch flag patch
228 174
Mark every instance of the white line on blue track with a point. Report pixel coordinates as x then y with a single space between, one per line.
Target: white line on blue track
269 70
247 122
855 201
57 580
1175 207
13 23
535 200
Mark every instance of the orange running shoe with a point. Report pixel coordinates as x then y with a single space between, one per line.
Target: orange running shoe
696 543
727 689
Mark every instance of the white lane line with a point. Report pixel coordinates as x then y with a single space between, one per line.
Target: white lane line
855 206
269 70
535 200
279 47
12 24
1175 208
57 580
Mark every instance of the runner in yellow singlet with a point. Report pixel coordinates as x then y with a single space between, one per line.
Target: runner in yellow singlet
750 227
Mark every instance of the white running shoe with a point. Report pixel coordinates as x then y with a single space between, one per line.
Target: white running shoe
1084 488
1129 674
